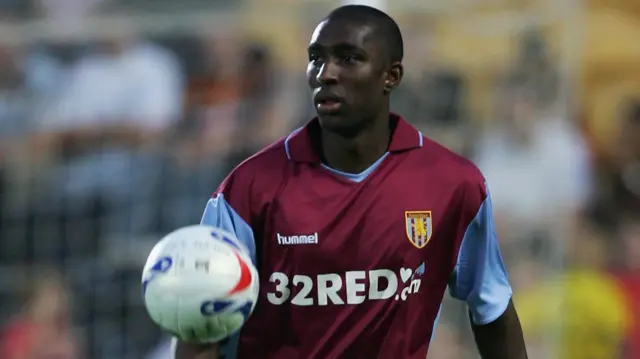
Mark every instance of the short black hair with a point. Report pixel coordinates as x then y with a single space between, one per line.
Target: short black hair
382 23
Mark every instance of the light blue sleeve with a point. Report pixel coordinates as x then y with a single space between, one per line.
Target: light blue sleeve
219 213
480 277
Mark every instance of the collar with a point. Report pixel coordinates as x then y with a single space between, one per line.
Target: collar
299 146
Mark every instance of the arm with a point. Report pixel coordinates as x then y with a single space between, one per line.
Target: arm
480 279
184 350
219 213
501 338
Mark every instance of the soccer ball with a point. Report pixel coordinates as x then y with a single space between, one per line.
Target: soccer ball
199 284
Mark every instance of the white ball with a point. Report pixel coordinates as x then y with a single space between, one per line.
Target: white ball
199 284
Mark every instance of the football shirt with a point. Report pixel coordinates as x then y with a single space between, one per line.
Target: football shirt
356 265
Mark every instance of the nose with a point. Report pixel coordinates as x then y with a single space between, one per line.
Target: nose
328 74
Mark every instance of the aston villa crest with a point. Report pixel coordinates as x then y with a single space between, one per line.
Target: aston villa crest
418 227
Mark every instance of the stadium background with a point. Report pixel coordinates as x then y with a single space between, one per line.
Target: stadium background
119 117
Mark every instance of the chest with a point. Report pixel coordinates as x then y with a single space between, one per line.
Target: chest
394 220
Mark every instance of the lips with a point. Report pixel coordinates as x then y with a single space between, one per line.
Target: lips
327 102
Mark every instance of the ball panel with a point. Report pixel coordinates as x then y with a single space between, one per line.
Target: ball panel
244 280
200 284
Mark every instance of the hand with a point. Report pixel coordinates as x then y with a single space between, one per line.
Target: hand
185 350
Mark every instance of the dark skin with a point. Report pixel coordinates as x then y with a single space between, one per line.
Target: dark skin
347 61
502 338
344 61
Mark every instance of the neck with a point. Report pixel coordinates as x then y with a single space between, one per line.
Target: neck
355 154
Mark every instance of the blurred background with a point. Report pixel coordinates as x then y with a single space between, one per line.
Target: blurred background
118 118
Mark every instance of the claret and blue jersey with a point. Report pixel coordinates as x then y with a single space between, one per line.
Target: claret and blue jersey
356 265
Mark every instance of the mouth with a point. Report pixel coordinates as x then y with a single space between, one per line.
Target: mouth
327 103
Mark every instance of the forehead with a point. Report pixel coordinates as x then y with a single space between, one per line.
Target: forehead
335 32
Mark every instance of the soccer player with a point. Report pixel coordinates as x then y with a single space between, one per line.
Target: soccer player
358 223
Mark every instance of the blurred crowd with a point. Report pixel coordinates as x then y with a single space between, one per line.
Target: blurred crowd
107 143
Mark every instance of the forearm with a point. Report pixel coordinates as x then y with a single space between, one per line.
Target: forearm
502 338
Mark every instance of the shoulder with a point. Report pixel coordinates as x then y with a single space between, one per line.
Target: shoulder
446 175
448 167
268 163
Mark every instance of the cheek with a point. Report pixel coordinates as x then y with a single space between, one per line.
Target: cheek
312 72
371 91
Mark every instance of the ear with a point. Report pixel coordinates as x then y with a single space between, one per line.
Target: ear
393 77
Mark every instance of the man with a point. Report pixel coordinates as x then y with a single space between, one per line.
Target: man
358 223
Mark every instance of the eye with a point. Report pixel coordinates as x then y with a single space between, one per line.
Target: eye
349 58
314 58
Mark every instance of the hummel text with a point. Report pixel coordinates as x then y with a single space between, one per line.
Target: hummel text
303 239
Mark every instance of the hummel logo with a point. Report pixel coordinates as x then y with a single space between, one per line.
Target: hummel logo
303 239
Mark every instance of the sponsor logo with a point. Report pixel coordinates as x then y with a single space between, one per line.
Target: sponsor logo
348 288
299 239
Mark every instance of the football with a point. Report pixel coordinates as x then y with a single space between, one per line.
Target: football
200 284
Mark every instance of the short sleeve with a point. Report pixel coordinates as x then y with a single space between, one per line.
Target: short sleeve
480 278
229 209
219 213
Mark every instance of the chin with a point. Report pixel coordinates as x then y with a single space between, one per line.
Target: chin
339 124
